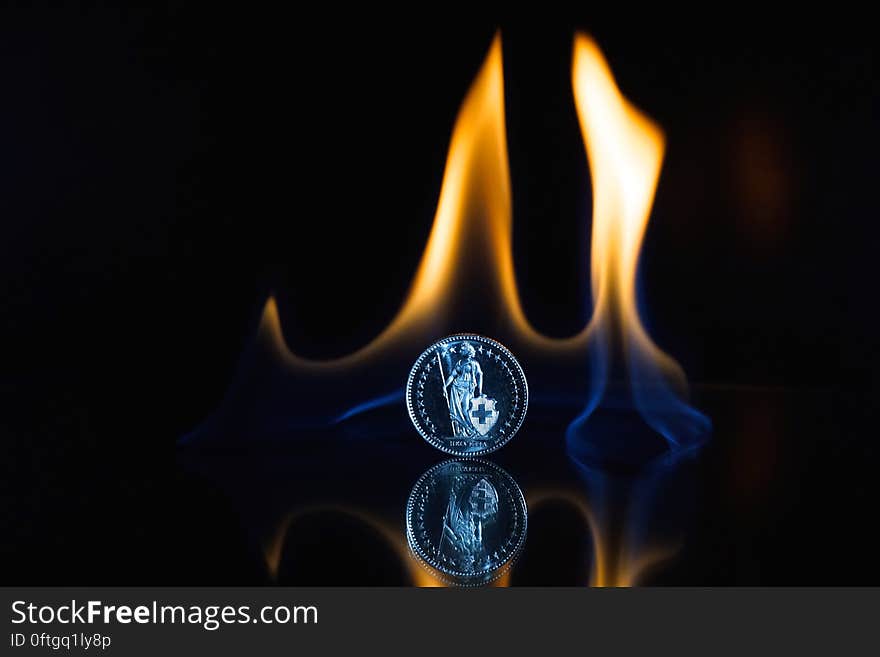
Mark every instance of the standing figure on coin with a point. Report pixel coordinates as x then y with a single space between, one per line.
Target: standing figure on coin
447 402
466 378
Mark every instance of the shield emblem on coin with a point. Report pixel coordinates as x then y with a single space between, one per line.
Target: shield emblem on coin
483 414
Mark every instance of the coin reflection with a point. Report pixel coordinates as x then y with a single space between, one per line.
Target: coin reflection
466 521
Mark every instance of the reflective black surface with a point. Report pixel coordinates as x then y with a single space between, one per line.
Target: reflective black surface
148 205
750 508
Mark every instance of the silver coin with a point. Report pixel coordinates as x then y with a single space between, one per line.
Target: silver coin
467 395
466 521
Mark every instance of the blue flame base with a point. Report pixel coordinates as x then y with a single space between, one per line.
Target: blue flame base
635 431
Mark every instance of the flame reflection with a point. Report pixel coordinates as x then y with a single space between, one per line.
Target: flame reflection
616 562
618 559
272 551
389 534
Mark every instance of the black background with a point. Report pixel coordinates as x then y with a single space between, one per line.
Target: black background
164 169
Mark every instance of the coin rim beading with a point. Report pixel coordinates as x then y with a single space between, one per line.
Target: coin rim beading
411 403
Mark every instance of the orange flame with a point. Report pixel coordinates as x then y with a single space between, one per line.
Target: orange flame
473 221
419 576
473 217
625 150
